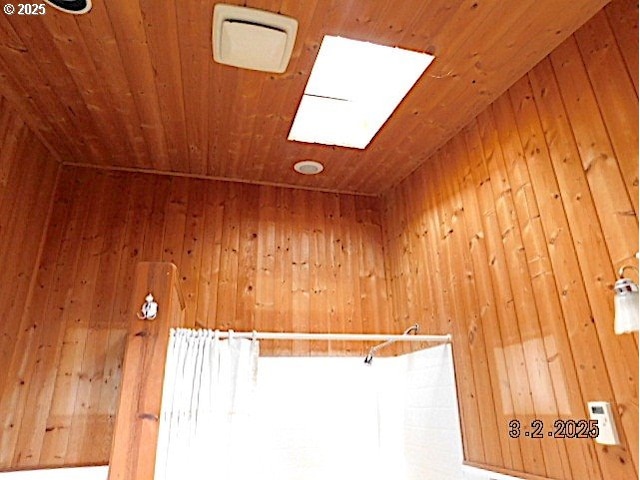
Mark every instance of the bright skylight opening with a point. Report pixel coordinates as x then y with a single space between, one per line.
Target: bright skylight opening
353 88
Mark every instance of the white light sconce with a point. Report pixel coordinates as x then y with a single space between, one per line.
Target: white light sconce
625 303
149 309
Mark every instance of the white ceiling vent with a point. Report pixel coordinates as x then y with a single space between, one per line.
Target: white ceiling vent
254 39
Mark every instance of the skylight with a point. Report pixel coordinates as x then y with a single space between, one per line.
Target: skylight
353 88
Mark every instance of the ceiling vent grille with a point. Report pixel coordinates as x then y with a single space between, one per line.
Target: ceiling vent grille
253 39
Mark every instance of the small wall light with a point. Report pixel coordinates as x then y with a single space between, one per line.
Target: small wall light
625 303
149 309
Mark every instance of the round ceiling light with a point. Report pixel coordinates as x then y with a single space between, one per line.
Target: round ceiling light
71 6
308 167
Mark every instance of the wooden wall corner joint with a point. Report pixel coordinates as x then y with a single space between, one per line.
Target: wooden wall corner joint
136 426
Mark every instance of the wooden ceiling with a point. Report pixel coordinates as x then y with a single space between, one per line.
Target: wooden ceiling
133 83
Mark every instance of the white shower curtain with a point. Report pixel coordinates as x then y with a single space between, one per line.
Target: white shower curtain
206 407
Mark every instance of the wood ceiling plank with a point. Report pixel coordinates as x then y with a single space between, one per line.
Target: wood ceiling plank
12 135
194 36
245 94
262 126
222 89
471 84
246 133
329 18
169 107
161 28
35 99
127 23
39 41
69 41
102 44
366 22
413 28
27 111
284 92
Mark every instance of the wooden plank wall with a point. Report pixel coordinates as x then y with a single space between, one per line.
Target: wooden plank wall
27 181
250 257
135 433
510 238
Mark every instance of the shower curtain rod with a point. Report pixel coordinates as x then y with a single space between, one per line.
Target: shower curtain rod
355 337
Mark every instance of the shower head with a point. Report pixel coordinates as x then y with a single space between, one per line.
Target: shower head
369 358
412 329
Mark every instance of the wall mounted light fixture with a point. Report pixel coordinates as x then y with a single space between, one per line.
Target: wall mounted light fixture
625 303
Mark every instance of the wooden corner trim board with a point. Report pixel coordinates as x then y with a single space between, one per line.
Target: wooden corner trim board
217 178
136 426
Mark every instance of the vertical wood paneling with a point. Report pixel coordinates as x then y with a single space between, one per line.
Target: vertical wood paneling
191 261
619 352
248 256
488 328
334 305
509 237
133 451
319 270
247 260
463 283
54 260
545 296
615 95
451 308
27 181
580 331
623 15
547 182
495 150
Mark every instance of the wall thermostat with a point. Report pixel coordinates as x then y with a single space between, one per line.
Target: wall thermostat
608 433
